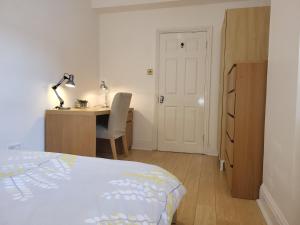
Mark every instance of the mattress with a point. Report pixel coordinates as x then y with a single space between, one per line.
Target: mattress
38 188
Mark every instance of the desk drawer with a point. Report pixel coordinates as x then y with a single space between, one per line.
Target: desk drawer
230 127
130 116
229 149
231 80
231 103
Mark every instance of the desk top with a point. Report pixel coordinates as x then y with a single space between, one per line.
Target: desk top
96 111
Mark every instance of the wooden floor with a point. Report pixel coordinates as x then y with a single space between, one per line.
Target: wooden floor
208 201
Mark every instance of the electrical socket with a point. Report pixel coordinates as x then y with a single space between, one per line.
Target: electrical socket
16 146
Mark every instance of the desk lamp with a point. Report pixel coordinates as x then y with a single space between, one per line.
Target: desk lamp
104 87
70 83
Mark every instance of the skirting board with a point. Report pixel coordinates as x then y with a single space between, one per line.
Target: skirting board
142 145
212 152
269 208
150 146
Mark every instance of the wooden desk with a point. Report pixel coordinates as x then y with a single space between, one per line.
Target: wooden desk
74 131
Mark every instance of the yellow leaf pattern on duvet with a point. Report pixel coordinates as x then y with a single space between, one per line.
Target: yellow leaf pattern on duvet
148 187
170 206
156 176
121 219
70 160
17 172
20 174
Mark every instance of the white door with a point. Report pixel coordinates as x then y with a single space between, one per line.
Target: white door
181 90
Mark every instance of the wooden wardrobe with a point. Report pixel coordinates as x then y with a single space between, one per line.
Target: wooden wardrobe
245 38
245 121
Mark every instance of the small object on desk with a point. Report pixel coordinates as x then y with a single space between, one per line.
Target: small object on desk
70 83
81 104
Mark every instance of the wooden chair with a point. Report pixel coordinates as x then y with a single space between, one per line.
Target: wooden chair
116 123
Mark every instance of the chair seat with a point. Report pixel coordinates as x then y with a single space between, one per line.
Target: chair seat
102 133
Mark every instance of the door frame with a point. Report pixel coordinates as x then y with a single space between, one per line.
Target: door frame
209 31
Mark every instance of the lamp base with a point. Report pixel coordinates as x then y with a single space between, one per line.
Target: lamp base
62 108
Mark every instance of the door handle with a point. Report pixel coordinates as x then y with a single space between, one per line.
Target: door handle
161 99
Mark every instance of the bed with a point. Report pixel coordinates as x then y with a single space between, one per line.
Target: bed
38 188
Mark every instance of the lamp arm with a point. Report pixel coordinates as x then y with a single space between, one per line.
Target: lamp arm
61 81
61 101
65 77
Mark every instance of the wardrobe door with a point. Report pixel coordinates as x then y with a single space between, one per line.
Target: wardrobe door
247 35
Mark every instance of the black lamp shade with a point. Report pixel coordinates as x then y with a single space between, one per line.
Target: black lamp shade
70 82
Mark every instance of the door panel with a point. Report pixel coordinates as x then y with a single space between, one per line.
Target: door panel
192 45
171 45
171 76
191 75
190 128
182 83
170 123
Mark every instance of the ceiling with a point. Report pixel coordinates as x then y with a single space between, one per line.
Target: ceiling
140 4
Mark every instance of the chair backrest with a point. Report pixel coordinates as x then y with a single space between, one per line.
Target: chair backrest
118 115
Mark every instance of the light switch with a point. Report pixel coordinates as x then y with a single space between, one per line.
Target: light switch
150 72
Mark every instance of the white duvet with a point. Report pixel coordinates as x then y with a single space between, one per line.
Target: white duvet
57 189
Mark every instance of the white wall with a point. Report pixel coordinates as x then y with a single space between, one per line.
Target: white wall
128 48
39 41
296 163
282 135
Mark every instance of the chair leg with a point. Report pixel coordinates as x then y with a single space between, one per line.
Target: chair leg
113 148
125 145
